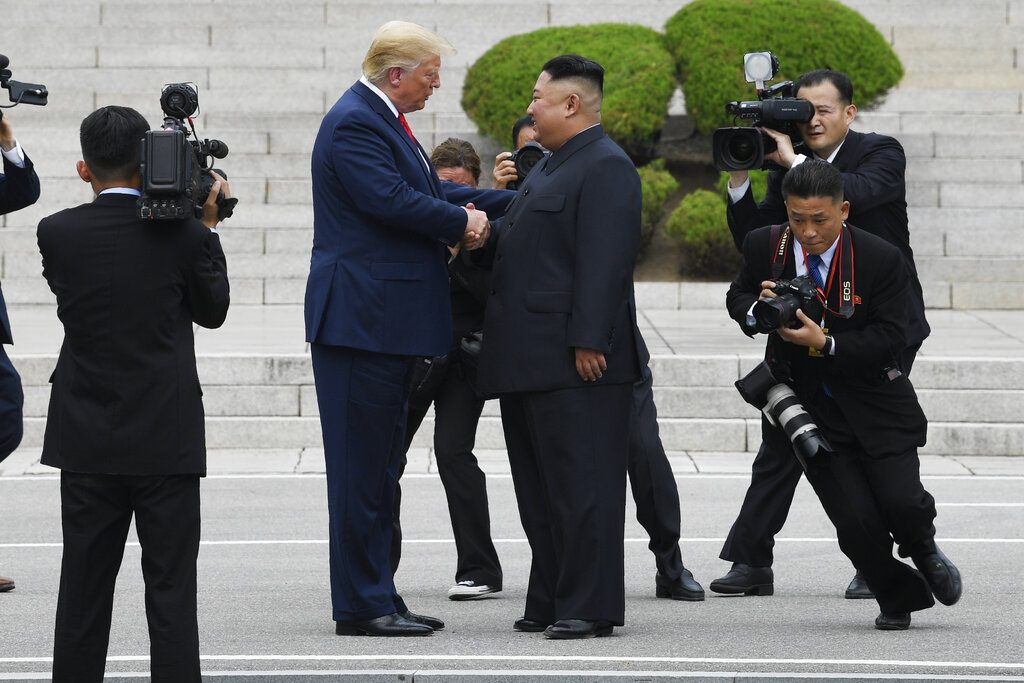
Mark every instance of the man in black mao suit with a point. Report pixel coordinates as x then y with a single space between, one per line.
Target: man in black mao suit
560 350
873 169
125 423
19 187
844 370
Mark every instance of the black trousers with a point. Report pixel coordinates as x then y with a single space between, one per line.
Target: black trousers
457 411
652 481
568 451
96 511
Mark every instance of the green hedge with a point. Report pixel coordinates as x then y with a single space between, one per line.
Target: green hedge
657 185
708 38
638 83
699 224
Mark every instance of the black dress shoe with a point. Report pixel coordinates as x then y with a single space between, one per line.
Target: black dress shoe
942 576
388 625
746 580
568 629
529 625
899 621
433 623
683 588
858 589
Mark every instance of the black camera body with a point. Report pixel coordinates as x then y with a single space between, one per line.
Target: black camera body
525 158
742 148
800 293
767 391
20 93
174 169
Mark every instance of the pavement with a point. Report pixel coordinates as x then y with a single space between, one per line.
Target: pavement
263 569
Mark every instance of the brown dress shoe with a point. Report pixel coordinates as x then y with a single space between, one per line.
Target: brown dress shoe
6 585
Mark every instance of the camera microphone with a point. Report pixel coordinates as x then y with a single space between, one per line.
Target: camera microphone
217 149
4 62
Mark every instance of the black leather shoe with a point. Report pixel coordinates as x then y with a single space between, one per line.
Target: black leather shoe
529 625
388 625
743 578
942 576
900 621
433 623
683 588
858 589
569 629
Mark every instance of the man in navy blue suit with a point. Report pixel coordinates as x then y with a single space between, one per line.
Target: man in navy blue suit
377 297
19 187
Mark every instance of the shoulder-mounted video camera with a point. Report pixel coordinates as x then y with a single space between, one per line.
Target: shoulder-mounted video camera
175 170
741 148
525 158
20 93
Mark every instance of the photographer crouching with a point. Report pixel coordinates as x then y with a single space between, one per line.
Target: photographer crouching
841 363
125 420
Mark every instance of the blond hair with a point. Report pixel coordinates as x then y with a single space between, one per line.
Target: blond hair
404 45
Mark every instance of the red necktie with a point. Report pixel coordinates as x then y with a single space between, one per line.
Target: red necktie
405 124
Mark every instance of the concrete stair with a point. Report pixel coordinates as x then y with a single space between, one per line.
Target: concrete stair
267 73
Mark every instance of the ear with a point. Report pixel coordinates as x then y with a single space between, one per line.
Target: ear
844 210
395 76
83 172
573 104
851 112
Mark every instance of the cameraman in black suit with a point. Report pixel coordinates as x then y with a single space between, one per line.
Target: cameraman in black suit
19 187
873 168
125 424
844 369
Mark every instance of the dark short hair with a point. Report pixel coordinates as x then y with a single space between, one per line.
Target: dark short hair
574 66
456 153
837 78
518 126
813 178
111 142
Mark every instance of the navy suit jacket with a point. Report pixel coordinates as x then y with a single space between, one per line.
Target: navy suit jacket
563 260
885 415
381 219
874 169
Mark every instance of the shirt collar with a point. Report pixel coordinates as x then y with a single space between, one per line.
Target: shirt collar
121 190
380 94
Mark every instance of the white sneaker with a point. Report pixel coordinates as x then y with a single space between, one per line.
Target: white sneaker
470 590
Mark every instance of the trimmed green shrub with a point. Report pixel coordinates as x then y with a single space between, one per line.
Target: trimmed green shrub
699 224
638 82
758 184
657 185
708 38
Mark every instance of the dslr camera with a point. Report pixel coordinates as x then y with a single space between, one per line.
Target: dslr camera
800 293
767 391
175 170
20 93
525 158
741 148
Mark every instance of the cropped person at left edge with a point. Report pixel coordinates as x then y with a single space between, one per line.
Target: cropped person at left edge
378 297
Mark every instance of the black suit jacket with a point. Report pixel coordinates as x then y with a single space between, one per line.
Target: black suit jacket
126 397
873 168
19 187
563 258
884 415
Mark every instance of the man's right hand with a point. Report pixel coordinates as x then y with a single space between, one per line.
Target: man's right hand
478 228
504 170
783 154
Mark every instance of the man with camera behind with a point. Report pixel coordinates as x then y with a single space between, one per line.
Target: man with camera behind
559 351
872 167
840 358
125 423
377 297
19 187
508 164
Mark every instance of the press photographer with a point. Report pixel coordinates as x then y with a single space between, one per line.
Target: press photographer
511 168
872 168
844 370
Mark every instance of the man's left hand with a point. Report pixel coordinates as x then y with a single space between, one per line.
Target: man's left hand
810 334
210 208
783 154
590 364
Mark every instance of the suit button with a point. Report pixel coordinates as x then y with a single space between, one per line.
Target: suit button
493 292
526 192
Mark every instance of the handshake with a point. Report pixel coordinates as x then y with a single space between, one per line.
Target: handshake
478 228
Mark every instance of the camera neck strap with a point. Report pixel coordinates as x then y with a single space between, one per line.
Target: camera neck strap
842 268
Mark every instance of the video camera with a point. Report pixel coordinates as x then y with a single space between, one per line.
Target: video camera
175 170
20 93
741 148
525 158
767 391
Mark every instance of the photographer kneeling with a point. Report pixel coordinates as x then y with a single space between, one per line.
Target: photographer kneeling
844 370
